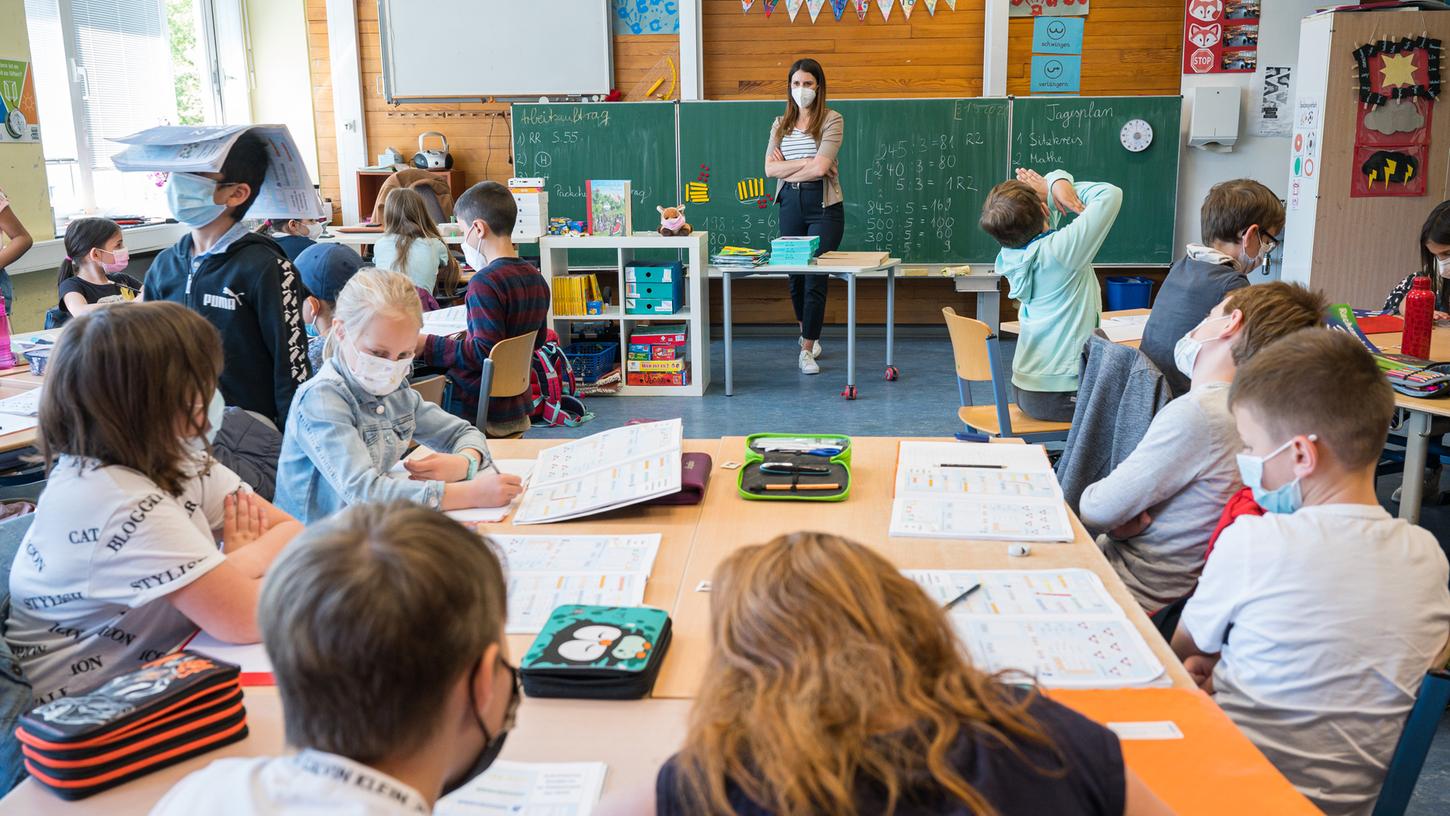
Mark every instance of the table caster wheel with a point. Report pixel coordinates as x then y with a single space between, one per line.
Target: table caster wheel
892 374
850 392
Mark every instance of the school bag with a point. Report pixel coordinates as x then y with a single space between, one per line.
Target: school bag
554 388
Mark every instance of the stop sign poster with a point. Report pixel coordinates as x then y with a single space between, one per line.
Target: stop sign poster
1221 37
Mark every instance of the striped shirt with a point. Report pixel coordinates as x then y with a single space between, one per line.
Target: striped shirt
505 299
798 145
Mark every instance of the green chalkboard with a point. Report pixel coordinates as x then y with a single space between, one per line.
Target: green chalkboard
1082 136
570 143
914 173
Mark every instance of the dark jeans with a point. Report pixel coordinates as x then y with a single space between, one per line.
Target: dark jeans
801 213
1048 406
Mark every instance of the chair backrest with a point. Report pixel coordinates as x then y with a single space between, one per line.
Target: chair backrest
969 346
512 361
430 389
431 204
1414 744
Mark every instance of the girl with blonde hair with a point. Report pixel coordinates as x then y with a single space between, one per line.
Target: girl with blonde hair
836 685
354 421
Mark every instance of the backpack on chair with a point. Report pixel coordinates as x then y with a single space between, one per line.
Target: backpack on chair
555 391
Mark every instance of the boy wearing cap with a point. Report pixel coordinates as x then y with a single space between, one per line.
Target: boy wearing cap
325 269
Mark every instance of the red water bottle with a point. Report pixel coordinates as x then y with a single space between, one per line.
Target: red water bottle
1419 319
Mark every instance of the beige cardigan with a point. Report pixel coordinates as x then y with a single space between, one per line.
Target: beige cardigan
831 134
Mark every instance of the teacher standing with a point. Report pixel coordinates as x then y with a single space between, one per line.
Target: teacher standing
802 155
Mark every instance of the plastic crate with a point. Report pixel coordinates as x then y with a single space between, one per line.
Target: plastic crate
591 361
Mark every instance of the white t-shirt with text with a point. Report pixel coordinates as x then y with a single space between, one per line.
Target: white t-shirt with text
89 583
311 782
1326 620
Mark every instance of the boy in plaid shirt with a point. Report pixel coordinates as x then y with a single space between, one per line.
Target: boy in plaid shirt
507 297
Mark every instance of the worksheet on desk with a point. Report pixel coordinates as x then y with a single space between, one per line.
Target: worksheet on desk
1060 627
528 789
972 490
24 404
608 470
548 571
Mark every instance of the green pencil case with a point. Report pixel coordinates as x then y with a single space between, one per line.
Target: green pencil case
818 471
597 653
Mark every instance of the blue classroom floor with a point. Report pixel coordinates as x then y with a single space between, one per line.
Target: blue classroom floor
771 395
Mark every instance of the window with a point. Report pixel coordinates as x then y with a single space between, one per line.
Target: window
105 69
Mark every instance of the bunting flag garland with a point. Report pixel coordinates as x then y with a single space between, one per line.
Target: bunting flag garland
862 6
930 6
885 6
907 6
951 4
745 6
769 6
838 7
793 7
814 7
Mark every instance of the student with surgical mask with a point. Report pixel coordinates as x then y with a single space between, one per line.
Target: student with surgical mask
93 272
507 297
1242 221
1158 506
1434 263
294 235
141 536
240 281
355 421
801 154
385 628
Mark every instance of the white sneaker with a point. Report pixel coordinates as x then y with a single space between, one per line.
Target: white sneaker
808 363
815 347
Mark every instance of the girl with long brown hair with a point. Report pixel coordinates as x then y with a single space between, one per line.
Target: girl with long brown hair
801 153
836 685
411 244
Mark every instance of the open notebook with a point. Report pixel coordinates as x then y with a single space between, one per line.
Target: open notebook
971 490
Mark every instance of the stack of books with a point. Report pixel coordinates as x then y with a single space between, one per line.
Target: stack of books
734 257
574 294
795 250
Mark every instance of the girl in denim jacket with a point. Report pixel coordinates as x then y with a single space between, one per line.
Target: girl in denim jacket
353 422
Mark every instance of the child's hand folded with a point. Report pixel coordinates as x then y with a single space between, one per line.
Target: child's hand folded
437 467
243 520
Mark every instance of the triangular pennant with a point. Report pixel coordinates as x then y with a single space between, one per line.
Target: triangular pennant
814 7
885 6
838 7
862 6
769 6
907 6
792 7
951 4
930 6
745 5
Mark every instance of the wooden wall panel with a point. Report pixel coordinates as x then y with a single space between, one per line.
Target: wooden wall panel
478 132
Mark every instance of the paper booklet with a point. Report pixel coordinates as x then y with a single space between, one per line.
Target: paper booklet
606 471
528 789
1060 627
964 490
444 322
547 571
287 191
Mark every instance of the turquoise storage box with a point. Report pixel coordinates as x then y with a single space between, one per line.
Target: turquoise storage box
655 291
654 272
650 306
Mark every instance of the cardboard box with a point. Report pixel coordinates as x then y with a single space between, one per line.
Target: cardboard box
650 306
664 366
665 334
642 272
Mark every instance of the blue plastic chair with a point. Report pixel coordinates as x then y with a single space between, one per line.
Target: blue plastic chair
1414 744
977 355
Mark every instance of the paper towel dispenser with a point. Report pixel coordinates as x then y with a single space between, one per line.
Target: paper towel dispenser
1215 117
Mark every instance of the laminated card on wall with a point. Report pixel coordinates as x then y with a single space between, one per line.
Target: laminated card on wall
1002 492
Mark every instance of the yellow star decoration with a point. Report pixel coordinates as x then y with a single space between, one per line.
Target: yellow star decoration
1398 70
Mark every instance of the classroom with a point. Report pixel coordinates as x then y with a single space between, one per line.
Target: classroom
729 407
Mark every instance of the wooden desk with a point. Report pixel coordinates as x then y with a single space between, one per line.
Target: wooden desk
9 387
676 526
729 522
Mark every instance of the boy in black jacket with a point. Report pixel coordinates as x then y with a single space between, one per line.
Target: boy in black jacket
240 281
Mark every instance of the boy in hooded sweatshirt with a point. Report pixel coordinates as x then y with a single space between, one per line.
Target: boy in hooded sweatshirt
1050 272
239 280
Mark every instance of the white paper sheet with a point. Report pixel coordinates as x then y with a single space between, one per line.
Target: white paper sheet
528 789
521 468
608 470
452 320
26 404
1124 328
547 571
287 191
957 490
533 596
9 423
1060 627
251 657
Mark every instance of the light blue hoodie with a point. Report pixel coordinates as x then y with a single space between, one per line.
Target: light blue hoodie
1053 279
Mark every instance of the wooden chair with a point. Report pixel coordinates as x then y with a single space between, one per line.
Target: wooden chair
430 388
978 359
506 373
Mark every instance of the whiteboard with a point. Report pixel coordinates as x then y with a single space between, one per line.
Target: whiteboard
457 49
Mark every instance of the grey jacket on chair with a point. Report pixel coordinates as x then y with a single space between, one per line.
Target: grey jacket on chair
1119 391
